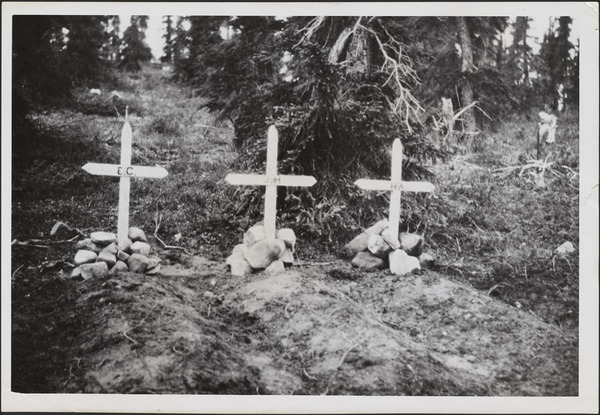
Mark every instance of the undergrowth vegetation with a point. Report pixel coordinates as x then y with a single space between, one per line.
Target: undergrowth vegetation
492 222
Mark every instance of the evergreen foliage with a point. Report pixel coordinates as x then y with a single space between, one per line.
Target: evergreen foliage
135 51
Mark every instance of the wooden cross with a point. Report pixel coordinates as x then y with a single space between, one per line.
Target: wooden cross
396 186
271 181
125 171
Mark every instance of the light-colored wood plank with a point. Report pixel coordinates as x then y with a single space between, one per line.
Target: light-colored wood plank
271 188
386 185
103 169
124 185
263 180
394 218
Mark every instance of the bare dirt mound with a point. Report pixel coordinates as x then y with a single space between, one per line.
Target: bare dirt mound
310 330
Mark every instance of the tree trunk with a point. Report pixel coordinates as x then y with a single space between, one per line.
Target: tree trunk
466 92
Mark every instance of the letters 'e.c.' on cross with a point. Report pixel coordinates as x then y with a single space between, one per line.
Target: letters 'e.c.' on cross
271 180
396 186
125 171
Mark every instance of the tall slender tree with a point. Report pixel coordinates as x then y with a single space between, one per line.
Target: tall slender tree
135 50
169 37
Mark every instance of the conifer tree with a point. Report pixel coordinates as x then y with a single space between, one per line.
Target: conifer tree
135 51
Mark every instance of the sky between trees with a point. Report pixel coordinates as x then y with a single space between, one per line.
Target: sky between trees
538 27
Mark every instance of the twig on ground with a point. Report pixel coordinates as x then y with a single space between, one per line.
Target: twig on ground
17 270
29 243
307 375
341 362
129 338
157 222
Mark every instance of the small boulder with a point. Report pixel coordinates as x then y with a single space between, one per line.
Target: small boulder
136 234
105 256
378 246
394 243
426 259
153 271
288 258
565 249
238 249
84 256
76 273
87 244
378 227
119 267
125 245
401 263
367 261
111 249
103 238
122 256
95 270
275 267
411 243
153 262
137 263
239 266
140 247
234 257
288 236
356 245
361 242
254 234
262 253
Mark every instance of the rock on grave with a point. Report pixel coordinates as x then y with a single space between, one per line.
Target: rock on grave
88 245
122 256
392 242
95 270
111 249
103 238
140 247
264 252
426 259
153 262
137 263
76 273
401 263
254 234
85 257
119 267
275 267
378 246
239 266
106 256
125 245
366 261
153 270
361 242
411 243
288 236
288 258
238 250
136 234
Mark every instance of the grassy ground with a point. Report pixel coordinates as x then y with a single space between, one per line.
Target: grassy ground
490 228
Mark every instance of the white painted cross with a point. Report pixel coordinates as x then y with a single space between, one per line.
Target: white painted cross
396 186
125 171
270 180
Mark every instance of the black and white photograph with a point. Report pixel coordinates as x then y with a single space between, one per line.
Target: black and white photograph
300 207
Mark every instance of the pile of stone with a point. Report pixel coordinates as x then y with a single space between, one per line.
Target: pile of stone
101 254
375 249
261 253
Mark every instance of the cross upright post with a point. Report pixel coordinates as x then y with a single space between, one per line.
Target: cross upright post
396 186
125 171
271 180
